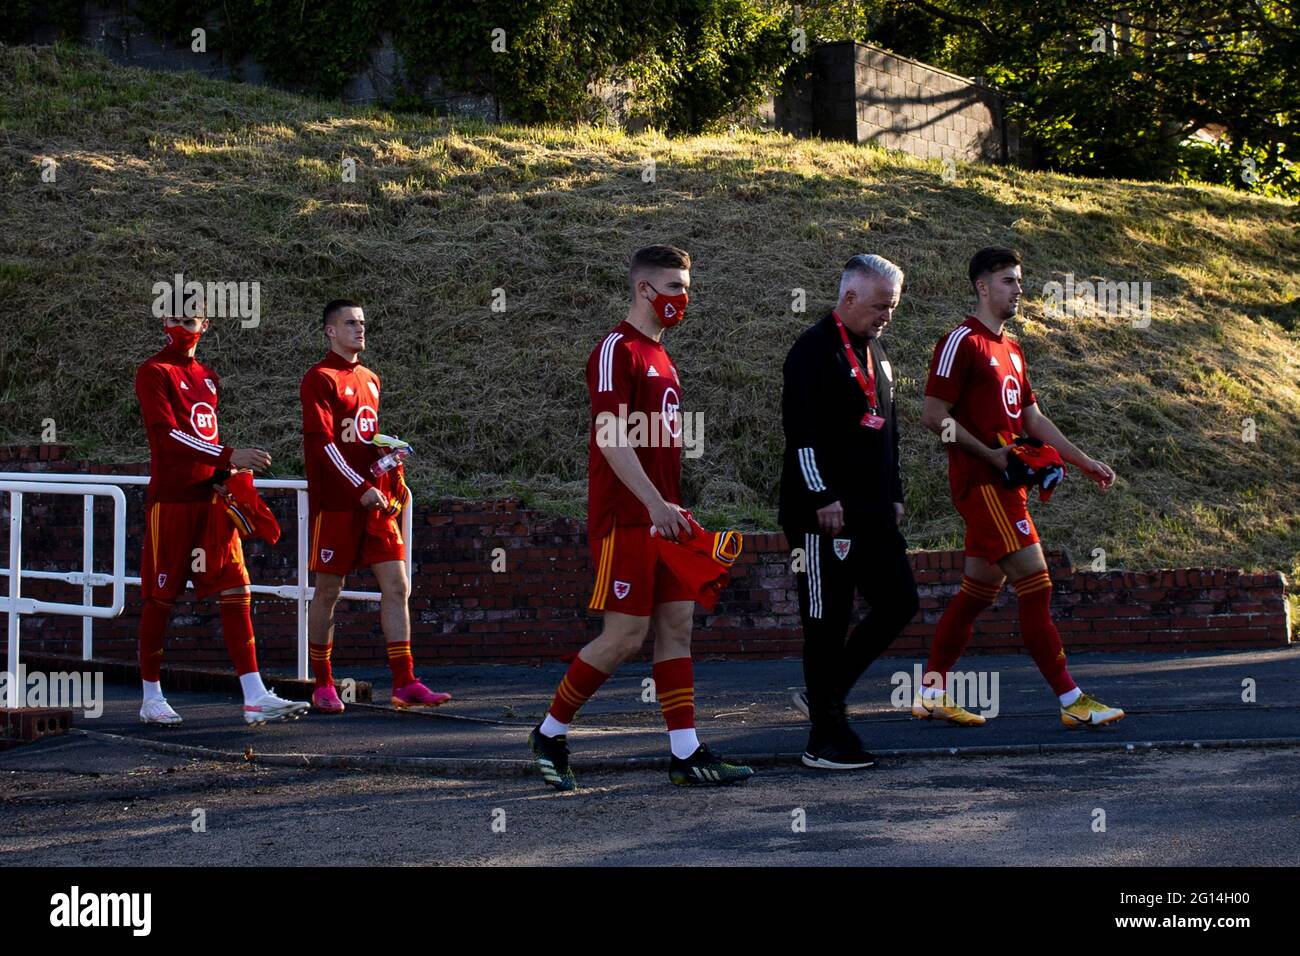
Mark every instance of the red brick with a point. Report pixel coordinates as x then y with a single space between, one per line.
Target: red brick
1267 620
537 605
1113 610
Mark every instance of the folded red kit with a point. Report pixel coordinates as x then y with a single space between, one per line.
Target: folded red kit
247 510
702 561
1032 464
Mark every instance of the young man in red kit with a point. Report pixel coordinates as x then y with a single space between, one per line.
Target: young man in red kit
633 493
978 390
353 513
178 401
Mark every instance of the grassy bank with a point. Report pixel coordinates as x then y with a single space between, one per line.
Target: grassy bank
165 173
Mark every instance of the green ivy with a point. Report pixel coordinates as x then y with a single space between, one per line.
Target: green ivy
18 17
1221 164
695 64
317 46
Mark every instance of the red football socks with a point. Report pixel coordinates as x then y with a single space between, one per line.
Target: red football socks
958 623
400 663
153 625
320 663
1039 633
237 629
580 682
675 688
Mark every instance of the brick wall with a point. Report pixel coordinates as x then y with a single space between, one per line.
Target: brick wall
860 93
463 611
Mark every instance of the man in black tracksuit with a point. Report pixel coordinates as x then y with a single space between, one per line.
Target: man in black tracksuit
842 499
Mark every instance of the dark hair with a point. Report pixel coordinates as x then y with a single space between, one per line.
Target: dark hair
991 259
658 257
332 306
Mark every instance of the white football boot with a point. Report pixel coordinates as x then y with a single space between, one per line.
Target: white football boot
156 710
270 707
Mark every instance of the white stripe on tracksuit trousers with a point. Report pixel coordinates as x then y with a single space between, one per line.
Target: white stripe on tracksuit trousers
813 572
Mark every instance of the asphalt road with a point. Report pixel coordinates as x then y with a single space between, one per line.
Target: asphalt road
456 787
743 708
1210 807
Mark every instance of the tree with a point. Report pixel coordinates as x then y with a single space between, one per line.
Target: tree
1117 89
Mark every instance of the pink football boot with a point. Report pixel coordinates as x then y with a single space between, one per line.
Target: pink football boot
416 694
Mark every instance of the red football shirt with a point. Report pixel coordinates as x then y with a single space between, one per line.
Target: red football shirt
629 372
986 379
340 418
178 401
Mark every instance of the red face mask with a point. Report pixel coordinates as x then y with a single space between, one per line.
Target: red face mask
180 339
669 308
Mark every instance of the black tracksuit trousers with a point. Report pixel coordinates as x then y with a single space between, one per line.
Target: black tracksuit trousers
874 564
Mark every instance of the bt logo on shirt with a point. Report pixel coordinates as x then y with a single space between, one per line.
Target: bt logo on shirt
668 408
203 419
363 428
367 423
1011 396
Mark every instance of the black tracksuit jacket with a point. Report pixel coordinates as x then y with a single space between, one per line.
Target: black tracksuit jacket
829 456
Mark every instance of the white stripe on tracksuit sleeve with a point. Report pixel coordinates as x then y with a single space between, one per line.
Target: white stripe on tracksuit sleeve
808 465
198 444
333 454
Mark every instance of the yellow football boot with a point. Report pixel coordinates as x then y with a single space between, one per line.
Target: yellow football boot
935 708
1089 712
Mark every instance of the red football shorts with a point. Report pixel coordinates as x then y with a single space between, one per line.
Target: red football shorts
997 521
631 577
343 541
179 544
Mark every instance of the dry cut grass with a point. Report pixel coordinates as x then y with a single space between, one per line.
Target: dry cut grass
163 173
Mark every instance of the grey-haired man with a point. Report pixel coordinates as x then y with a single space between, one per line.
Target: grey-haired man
842 500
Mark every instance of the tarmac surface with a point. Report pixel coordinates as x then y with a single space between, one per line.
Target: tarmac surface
744 709
1193 775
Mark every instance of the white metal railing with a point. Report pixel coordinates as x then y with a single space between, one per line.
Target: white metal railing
18 483
17 605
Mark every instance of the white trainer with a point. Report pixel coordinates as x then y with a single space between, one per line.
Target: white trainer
800 700
270 707
156 710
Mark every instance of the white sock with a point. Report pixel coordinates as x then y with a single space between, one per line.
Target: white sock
152 690
931 693
1070 696
252 686
553 728
684 742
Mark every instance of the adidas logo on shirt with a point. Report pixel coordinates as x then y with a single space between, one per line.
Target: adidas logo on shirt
652 373
993 360
348 391
184 386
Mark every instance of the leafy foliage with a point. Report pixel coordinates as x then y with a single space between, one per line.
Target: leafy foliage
1113 88
697 63
1117 89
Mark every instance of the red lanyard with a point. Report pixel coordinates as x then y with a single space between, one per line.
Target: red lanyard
866 380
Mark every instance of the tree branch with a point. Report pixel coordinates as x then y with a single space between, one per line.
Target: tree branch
950 17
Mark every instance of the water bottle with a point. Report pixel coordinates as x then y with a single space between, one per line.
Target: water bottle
389 462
